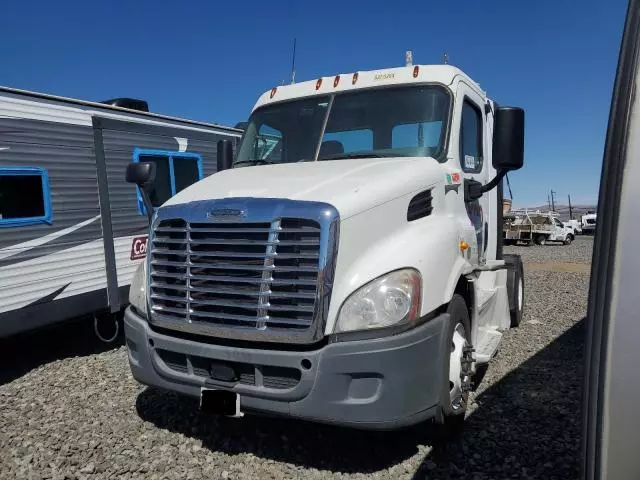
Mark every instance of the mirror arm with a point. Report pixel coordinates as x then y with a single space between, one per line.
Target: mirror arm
474 189
148 206
495 181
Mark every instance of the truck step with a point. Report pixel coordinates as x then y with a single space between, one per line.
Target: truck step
487 345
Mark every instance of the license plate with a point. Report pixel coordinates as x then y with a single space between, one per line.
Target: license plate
220 402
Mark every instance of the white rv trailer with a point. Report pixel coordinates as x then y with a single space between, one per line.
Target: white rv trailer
72 231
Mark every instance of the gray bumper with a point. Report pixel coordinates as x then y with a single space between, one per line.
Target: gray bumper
383 383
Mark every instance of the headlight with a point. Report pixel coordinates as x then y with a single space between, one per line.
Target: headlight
392 299
138 290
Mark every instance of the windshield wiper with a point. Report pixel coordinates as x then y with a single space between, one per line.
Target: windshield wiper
339 156
253 162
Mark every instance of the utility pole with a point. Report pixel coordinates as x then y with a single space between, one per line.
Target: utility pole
553 201
570 209
548 202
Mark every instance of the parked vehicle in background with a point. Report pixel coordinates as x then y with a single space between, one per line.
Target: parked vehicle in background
350 274
574 225
589 223
72 231
535 227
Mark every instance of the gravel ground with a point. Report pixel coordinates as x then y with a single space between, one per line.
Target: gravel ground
69 408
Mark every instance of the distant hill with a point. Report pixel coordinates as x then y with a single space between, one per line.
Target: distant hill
563 210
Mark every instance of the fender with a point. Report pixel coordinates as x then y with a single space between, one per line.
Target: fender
460 268
369 250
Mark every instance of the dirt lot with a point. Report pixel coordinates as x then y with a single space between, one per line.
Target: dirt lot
69 408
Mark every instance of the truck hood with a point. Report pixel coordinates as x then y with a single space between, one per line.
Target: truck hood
351 186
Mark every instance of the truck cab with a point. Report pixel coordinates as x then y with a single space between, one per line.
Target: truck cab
589 223
346 265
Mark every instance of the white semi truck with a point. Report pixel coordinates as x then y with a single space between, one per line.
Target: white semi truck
351 273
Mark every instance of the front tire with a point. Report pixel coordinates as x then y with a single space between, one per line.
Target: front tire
457 369
568 240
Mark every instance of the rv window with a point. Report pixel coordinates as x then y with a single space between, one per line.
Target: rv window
175 171
24 196
186 172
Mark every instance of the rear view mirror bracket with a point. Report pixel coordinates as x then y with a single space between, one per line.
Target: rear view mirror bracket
142 174
474 189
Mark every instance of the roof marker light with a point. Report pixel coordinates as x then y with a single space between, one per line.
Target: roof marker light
318 83
336 81
273 91
415 71
354 79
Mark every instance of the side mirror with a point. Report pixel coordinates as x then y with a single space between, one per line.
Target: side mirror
225 154
142 174
508 149
508 138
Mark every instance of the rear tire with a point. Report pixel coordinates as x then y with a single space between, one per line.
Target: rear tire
456 383
515 288
540 240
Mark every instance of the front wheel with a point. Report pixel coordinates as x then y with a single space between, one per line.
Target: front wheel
457 368
568 240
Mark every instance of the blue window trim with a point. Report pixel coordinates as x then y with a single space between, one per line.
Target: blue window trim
137 152
46 196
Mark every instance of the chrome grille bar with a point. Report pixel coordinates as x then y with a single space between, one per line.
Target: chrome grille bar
266 277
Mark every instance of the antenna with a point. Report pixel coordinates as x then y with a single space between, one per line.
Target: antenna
445 58
293 63
408 58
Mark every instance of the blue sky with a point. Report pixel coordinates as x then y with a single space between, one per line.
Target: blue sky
210 60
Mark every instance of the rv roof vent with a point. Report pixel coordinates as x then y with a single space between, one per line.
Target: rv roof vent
130 103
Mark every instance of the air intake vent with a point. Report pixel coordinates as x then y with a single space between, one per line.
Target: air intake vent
419 206
130 103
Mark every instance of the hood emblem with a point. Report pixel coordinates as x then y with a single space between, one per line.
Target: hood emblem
226 214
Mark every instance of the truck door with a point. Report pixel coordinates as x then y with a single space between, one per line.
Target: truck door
474 155
558 230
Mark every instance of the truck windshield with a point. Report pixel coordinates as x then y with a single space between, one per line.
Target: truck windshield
390 122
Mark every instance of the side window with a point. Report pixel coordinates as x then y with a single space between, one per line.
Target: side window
471 158
24 196
175 171
335 143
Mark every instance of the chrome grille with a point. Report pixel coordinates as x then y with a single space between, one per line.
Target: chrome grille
219 277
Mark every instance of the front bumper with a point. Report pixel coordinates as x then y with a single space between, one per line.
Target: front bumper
383 383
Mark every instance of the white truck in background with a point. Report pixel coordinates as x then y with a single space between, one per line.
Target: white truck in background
350 274
574 225
589 223
535 227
